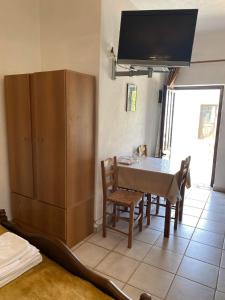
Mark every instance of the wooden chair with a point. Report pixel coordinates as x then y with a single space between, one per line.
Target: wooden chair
119 198
178 207
142 150
182 189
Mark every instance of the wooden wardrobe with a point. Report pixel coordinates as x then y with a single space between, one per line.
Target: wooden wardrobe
50 124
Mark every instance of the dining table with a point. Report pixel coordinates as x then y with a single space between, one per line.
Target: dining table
150 175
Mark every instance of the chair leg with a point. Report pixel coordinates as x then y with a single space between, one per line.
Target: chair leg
177 210
117 213
181 204
114 215
157 205
167 219
104 219
141 212
148 208
181 210
131 225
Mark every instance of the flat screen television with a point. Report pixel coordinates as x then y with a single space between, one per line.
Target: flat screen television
157 37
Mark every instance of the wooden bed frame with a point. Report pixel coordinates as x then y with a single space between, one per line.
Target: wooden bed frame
61 254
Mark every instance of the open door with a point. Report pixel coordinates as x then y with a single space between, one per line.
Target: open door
167 122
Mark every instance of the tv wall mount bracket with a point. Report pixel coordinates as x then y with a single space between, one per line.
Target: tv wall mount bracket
133 70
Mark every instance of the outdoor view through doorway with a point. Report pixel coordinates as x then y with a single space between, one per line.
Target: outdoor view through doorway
194 130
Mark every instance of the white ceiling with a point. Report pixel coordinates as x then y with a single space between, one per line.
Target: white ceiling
211 14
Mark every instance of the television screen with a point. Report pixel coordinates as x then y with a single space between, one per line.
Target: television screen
157 37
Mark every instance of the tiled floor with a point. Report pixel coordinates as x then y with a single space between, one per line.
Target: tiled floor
189 265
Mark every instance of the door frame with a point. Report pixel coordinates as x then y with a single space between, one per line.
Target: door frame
210 87
166 113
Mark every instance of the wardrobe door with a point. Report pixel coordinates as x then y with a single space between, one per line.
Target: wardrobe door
19 128
80 91
48 97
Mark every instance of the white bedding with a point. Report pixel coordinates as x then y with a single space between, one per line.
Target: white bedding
16 257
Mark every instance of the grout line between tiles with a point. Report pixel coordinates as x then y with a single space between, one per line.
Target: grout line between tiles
139 262
183 256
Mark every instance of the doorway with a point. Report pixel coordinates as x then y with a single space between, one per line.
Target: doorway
192 115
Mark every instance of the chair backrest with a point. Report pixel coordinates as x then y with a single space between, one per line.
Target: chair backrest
109 175
183 174
142 150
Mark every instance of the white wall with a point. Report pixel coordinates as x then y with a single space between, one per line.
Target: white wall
120 132
20 53
209 46
70 35
54 34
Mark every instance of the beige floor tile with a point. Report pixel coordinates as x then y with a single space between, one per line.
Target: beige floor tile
219 296
119 283
173 243
211 226
132 292
163 259
192 211
190 220
147 235
221 281
217 201
138 250
208 254
194 203
183 231
157 223
214 207
152 280
222 264
122 225
90 254
216 195
208 238
109 242
213 216
117 266
199 194
135 293
184 289
76 246
198 271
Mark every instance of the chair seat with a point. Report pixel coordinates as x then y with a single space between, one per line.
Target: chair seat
124 197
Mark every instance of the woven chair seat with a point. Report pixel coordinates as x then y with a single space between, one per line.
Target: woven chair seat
124 197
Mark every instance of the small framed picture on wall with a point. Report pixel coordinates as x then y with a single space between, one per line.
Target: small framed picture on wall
131 100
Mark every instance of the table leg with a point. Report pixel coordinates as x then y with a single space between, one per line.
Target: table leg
157 204
167 219
177 210
141 212
148 208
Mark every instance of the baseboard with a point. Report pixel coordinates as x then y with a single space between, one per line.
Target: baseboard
218 189
97 227
98 223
